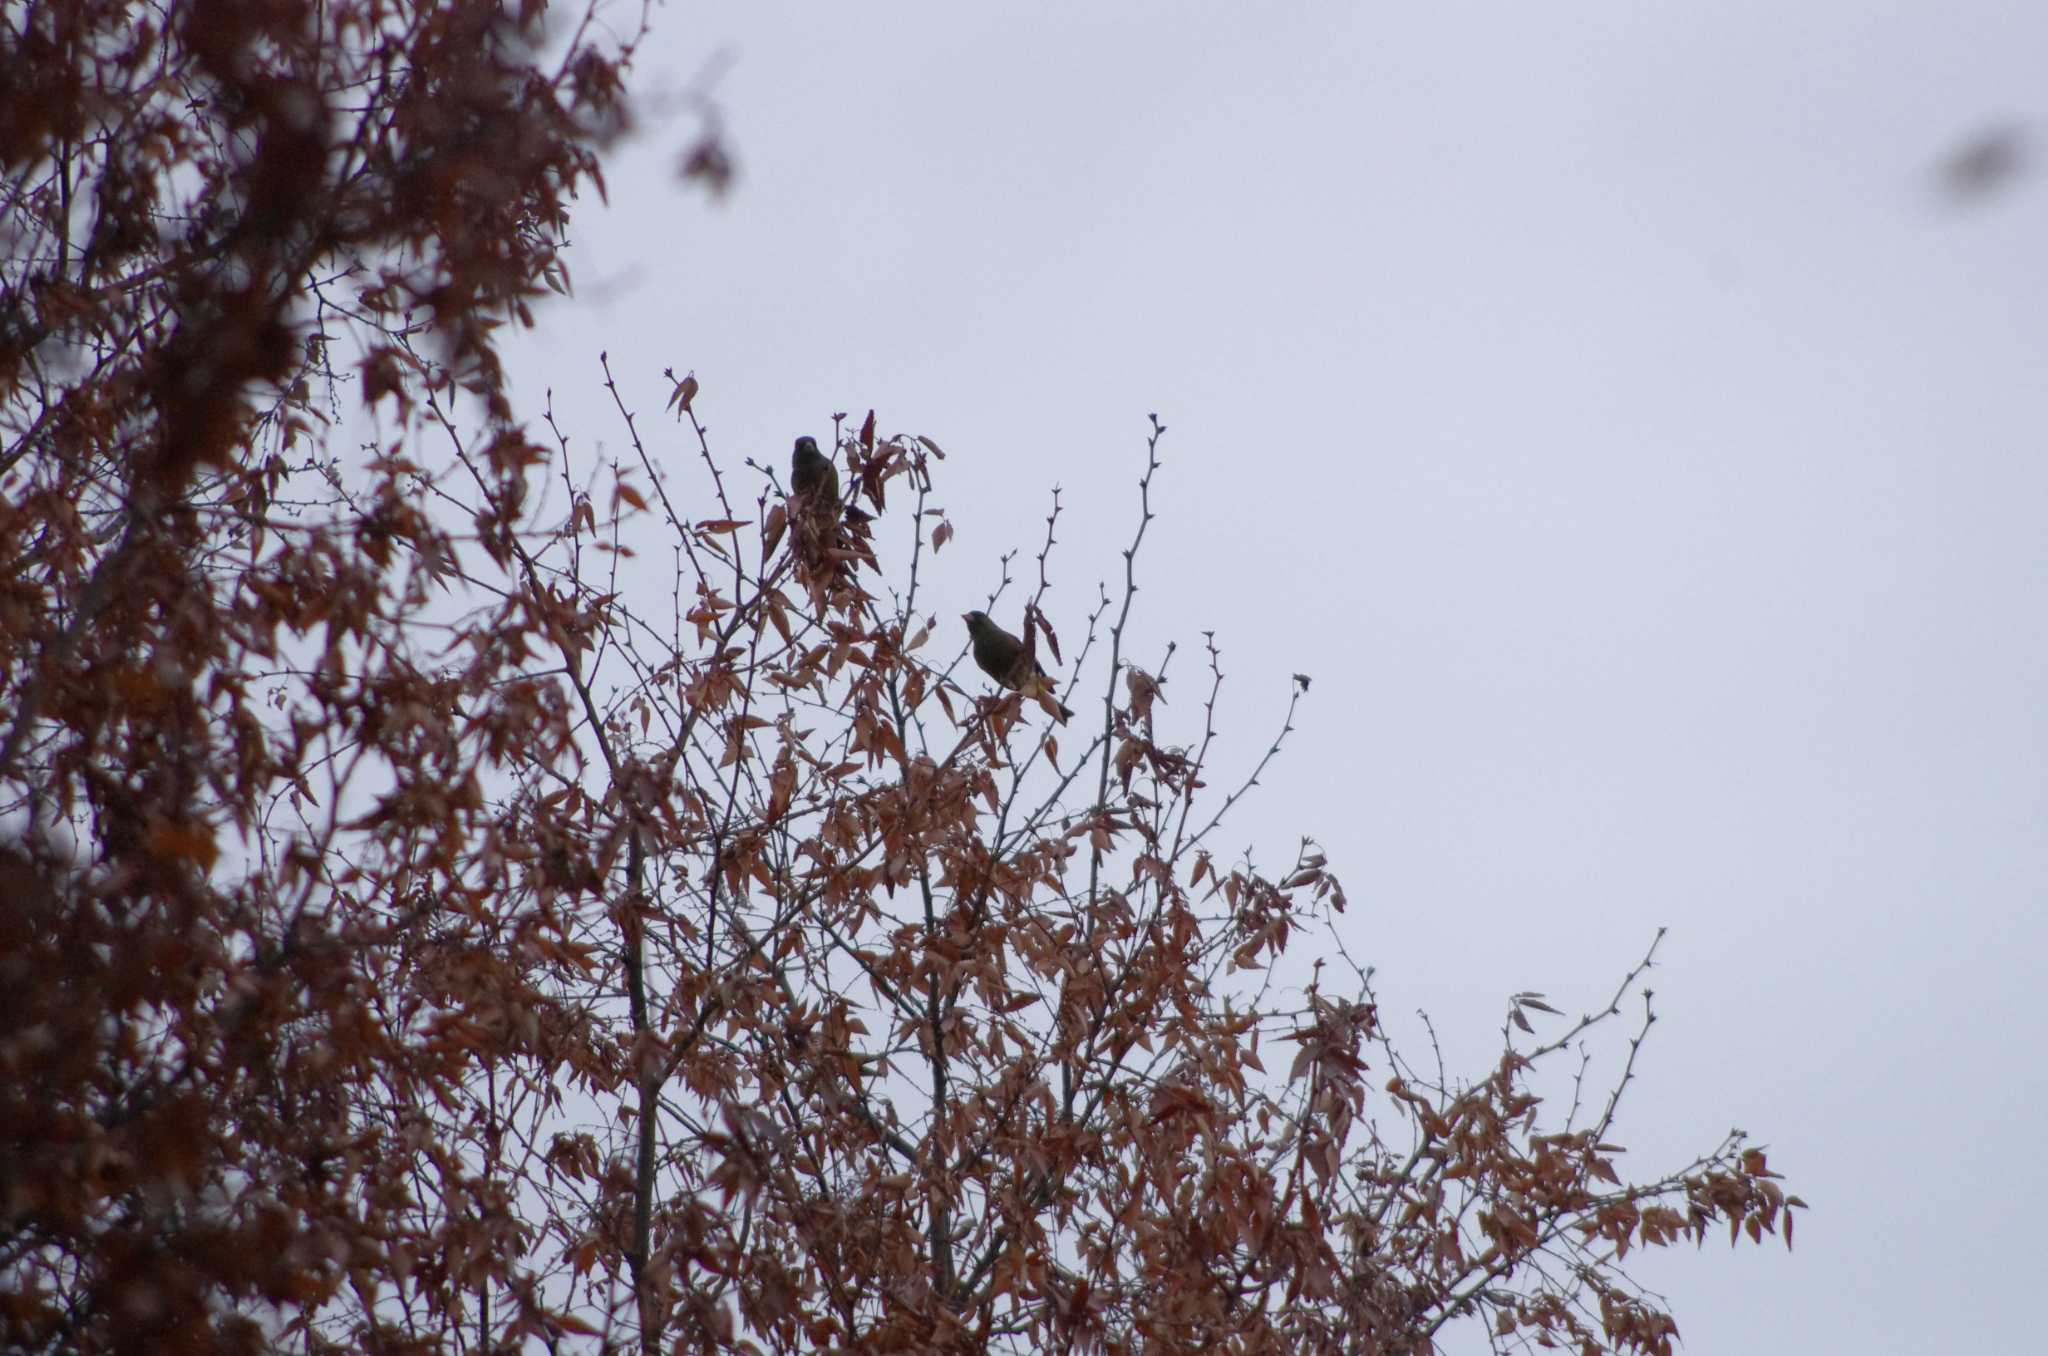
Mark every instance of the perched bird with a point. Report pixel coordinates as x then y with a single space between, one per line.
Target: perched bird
812 475
816 519
1003 657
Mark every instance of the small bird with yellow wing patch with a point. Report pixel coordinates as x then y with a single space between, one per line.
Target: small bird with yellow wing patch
1010 662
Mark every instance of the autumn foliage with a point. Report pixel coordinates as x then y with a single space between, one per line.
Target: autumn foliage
417 933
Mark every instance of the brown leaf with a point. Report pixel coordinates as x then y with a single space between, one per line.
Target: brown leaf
1052 641
683 392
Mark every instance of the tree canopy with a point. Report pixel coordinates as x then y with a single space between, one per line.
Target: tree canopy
416 938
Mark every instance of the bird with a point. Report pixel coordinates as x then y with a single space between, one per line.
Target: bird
1003 657
812 475
816 517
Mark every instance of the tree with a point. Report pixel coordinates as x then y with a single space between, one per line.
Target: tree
416 940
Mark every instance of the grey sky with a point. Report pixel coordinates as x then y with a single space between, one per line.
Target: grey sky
1597 400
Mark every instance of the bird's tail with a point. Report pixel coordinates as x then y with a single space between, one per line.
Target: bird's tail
1039 688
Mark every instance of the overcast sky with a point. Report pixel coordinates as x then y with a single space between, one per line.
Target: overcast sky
1598 400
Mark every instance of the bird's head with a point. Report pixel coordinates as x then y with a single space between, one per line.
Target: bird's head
977 622
807 446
